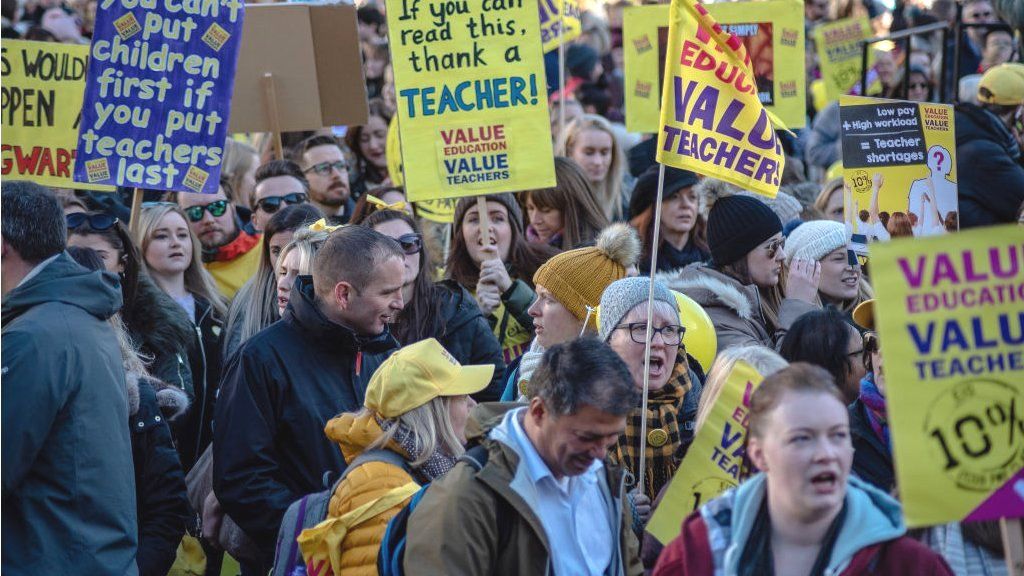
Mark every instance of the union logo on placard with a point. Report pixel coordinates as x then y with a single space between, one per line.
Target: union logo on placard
127 26
195 178
643 89
97 170
216 36
642 44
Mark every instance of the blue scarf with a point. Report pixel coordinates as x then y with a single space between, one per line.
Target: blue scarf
875 403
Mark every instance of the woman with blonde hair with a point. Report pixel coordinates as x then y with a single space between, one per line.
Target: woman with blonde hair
830 200
566 216
590 142
296 259
410 432
763 359
240 163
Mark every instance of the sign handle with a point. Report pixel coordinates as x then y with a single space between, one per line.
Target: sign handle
561 72
1013 545
650 325
133 219
485 221
270 108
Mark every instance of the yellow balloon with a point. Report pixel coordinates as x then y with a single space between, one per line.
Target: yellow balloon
700 338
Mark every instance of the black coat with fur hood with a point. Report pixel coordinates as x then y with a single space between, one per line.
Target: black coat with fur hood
161 498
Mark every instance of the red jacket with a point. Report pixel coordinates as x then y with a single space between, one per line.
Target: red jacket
690 555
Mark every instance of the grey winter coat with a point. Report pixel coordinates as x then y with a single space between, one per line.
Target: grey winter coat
68 482
735 309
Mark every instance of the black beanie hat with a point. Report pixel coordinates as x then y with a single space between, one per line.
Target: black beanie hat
737 225
506 199
646 189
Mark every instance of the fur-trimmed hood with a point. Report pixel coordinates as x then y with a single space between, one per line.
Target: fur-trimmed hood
709 287
157 323
172 401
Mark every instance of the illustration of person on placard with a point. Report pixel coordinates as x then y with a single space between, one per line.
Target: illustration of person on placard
932 200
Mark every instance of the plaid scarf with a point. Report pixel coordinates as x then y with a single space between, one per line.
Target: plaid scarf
664 414
437 465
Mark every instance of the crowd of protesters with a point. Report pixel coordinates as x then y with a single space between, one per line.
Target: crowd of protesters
171 386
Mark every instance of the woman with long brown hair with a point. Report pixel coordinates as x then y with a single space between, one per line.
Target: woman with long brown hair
499 272
566 216
682 239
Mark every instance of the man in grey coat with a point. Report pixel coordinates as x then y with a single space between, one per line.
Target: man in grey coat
68 484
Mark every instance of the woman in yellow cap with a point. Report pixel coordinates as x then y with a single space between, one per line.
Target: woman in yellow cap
410 432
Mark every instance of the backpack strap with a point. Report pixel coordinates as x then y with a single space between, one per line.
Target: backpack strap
375 455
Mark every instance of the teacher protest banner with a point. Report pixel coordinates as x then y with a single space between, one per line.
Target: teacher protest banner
951 326
772 33
550 23
441 210
42 96
472 103
715 461
899 161
158 93
712 120
839 54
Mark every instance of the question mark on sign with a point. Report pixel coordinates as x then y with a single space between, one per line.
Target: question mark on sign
938 161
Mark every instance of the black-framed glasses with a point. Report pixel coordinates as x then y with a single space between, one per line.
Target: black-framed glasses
671 334
324 168
774 247
96 221
216 209
411 243
270 204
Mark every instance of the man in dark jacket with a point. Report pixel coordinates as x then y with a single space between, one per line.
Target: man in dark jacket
68 488
988 147
284 384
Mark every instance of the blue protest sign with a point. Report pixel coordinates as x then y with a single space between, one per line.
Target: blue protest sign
158 93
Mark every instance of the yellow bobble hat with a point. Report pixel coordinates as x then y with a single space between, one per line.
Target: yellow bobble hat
577 278
1002 85
417 374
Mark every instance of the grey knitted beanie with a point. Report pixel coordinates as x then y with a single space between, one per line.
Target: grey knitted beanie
623 295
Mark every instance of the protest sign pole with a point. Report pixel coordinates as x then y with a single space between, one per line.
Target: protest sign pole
1013 545
485 221
650 326
561 71
133 219
270 107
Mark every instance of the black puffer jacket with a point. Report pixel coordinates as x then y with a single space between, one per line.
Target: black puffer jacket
872 461
194 431
468 336
988 165
163 332
160 496
278 392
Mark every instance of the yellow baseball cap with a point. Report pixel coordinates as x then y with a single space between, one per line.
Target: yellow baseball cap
1003 85
417 374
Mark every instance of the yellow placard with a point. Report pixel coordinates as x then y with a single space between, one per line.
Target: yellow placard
712 119
43 86
950 315
910 149
441 210
550 23
839 54
714 462
472 101
393 150
772 32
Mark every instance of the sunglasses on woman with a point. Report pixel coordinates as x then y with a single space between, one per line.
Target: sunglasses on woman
216 209
270 204
775 246
95 221
411 243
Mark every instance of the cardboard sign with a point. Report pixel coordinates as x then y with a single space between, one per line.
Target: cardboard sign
550 22
158 93
839 54
910 149
472 104
316 68
714 462
772 33
951 325
42 97
712 119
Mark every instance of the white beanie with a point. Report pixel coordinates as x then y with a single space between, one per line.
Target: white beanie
815 239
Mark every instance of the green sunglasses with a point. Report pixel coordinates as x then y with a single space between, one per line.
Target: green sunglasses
216 209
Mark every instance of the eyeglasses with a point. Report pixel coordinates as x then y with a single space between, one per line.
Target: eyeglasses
270 204
411 243
95 221
671 334
324 168
216 209
775 246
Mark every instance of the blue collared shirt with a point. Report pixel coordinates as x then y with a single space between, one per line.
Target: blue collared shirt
574 510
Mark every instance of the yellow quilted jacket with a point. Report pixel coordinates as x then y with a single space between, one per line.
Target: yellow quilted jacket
353 433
